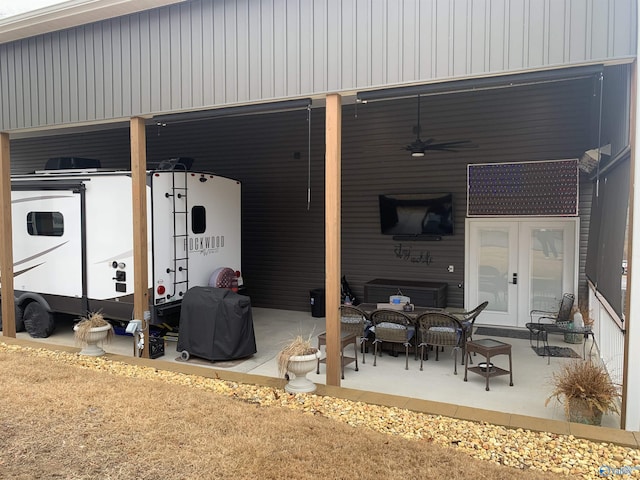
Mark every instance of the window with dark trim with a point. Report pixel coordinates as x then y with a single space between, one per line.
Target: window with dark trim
198 219
46 224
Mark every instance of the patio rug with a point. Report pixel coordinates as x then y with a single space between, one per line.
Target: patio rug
566 352
502 332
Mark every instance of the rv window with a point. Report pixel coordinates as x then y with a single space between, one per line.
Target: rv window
198 219
49 224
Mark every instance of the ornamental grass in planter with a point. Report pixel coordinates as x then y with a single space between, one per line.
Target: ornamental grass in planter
90 330
295 360
586 391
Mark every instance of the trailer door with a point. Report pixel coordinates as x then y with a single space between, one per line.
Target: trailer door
47 242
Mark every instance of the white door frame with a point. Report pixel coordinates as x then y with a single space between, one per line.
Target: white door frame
521 291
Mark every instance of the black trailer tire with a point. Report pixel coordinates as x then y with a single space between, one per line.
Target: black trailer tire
37 321
19 321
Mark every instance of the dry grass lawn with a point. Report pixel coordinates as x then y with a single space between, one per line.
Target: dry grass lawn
60 421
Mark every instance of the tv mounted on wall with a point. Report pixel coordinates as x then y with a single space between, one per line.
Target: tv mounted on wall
419 215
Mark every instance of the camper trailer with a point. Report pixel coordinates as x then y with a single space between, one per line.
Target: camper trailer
73 241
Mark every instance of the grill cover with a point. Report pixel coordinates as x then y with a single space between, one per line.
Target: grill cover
216 324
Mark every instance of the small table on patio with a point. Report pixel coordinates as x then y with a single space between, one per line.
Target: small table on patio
488 348
345 339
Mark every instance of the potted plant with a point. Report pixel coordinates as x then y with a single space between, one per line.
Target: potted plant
90 331
295 361
580 318
586 390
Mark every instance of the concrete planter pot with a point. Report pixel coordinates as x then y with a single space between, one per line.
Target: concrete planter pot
95 336
580 411
298 368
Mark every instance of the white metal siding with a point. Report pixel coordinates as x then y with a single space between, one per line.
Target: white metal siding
206 53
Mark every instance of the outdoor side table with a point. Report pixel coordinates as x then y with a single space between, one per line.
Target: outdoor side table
488 348
345 339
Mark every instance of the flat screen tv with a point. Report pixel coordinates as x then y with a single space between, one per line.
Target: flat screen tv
416 214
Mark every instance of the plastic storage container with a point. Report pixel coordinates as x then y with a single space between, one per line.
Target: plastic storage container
316 299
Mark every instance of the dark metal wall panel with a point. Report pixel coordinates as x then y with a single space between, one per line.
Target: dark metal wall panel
283 240
208 53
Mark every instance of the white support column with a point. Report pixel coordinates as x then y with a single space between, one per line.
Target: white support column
631 374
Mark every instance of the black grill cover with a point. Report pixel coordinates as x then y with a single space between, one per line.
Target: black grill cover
216 324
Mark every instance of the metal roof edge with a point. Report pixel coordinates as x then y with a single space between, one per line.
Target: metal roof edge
71 14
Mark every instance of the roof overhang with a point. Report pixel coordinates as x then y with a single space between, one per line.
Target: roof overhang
71 14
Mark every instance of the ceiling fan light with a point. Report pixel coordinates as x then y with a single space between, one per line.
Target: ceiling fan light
417 153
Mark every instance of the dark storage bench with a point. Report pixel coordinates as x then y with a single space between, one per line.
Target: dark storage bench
423 294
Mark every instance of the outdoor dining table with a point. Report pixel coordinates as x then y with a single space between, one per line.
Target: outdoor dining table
413 314
458 313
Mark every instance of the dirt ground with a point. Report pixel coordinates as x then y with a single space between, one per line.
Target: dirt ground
63 416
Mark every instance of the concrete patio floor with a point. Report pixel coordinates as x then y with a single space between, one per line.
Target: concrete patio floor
434 390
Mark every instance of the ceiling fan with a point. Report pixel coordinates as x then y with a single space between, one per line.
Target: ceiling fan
418 146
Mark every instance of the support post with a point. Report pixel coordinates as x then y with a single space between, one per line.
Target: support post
140 245
630 414
6 246
333 133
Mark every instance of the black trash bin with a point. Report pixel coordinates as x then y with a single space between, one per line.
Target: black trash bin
316 298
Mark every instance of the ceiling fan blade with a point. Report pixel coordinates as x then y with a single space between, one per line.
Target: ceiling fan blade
452 144
418 146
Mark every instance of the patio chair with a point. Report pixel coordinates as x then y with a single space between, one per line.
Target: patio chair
468 319
560 317
392 326
440 329
354 320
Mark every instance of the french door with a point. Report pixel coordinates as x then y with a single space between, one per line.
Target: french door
518 265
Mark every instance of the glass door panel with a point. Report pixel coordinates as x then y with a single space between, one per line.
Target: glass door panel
493 263
546 267
493 257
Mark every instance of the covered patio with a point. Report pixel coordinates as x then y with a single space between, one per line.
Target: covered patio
437 383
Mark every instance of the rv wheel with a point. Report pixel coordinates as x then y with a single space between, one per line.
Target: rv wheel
19 322
37 321
184 355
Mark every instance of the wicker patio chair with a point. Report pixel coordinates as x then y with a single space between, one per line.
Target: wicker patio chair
468 320
392 326
354 320
440 329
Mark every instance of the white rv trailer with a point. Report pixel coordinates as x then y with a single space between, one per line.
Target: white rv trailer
73 241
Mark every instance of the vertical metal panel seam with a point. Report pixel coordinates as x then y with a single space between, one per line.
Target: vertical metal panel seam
370 46
526 11
568 17
545 32
588 29
487 35
506 35
434 49
450 43
469 42
610 21
285 51
237 52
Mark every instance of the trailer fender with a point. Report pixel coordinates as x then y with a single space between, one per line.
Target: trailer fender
18 317
37 317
